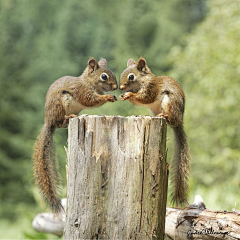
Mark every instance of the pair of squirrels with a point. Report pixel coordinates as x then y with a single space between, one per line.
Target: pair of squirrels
68 96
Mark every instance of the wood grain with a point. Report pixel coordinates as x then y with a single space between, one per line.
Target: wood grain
117 181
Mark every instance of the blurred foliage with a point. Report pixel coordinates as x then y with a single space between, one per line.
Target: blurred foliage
209 69
43 40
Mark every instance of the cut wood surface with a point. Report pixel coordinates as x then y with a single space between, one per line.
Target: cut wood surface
117 178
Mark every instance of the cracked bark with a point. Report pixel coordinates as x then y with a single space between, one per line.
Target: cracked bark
117 181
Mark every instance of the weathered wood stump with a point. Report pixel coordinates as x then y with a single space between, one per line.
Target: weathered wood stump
117 178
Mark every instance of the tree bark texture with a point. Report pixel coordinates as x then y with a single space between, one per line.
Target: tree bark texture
117 181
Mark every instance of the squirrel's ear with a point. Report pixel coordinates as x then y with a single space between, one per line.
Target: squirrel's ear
141 65
93 64
130 62
103 62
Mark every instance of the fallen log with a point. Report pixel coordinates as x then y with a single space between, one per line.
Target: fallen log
50 222
195 222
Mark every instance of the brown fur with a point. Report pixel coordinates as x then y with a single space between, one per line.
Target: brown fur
164 97
45 167
67 96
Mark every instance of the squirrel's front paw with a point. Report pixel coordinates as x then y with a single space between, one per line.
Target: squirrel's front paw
125 96
112 98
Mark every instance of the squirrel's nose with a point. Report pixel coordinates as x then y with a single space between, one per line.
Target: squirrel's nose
115 87
121 87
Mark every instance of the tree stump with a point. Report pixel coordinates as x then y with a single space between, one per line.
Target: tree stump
117 178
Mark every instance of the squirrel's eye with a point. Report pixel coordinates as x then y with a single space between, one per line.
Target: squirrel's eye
104 77
130 77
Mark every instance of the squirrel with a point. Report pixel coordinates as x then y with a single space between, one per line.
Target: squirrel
165 98
66 97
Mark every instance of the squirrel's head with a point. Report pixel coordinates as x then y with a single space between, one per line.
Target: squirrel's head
101 76
134 75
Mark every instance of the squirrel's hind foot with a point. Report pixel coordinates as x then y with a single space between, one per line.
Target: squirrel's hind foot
162 115
66 121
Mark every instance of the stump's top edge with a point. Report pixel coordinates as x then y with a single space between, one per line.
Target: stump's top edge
118 116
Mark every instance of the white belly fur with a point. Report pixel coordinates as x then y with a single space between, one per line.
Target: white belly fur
165 101
159 106
71 105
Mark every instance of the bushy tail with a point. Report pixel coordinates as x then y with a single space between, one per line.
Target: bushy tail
180 167
45 167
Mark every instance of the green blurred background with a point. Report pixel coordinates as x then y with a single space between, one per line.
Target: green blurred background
197 42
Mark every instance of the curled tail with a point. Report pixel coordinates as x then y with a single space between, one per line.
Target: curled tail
45 167
180 167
